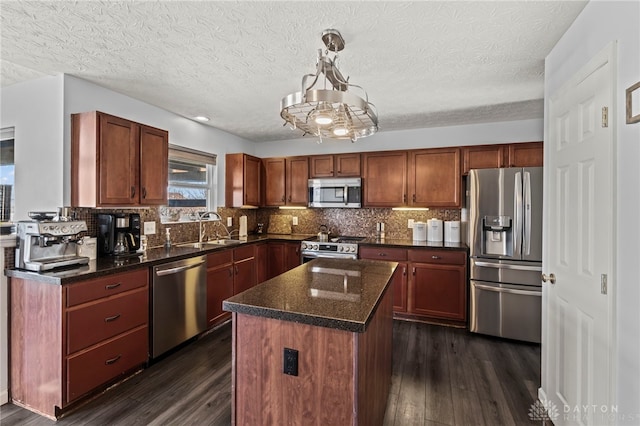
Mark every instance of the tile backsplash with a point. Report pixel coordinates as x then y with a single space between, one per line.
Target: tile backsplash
355 222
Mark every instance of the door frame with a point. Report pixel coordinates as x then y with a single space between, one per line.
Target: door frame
609 54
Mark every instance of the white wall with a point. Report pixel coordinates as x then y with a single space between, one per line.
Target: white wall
35 110
599 24
470 134
81 95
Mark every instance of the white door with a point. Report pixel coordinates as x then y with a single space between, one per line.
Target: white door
578 337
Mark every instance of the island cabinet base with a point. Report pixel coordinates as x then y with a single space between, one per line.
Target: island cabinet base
343 377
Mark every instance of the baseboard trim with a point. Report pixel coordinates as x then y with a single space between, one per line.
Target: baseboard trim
4 396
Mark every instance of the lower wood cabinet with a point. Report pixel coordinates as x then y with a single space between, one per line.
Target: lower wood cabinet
69 341
432 284
282 256
229 272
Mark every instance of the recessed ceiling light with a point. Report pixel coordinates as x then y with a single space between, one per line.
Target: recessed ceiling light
201 118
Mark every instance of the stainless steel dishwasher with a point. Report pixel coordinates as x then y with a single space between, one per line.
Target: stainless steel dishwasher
179 303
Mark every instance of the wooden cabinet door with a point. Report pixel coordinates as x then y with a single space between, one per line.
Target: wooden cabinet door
434 178
321 166
438 291
251 180
347 165
528 154
483 157
154 167
245 275
262 262
292 255
277 258
275 183
118 161
219 288
400 280
297 177
385 179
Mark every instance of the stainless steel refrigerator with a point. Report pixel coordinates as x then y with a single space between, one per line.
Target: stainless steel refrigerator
504 223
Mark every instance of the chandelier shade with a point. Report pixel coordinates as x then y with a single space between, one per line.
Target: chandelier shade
326 107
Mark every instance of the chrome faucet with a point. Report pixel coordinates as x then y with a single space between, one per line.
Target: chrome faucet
201 216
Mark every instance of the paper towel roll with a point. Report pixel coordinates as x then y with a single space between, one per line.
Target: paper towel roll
434 230
243 227
452 231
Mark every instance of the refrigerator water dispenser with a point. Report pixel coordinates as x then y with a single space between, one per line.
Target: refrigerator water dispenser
498 236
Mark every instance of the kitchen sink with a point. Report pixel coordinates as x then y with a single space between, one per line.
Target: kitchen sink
206 244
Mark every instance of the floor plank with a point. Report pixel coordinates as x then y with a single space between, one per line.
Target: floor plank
440 376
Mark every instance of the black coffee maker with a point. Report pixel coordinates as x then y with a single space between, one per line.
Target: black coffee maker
118 234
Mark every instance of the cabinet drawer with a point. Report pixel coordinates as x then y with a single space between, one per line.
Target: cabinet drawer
91 369
219 258
448 257
102 287
383 253
96 322
245 252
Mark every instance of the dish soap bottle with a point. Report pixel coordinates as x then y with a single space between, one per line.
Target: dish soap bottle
167 238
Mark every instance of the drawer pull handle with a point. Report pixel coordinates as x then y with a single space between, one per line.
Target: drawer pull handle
112 360
113 318
435 257
382 254
112 286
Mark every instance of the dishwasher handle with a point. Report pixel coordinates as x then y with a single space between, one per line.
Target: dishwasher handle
508 290
163 272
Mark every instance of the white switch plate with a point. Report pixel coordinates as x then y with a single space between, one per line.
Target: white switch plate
410 223
295 220
149 228
229 221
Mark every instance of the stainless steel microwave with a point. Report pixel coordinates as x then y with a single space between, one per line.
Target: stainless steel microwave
335 192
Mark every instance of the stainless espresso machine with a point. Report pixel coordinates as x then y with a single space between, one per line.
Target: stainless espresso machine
44 245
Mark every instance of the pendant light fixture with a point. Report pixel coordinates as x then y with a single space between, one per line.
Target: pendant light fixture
326 107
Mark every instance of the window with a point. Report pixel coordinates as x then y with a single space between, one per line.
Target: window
192 183
7 173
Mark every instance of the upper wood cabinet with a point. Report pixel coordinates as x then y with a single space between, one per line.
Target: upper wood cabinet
285 181
434 178
338 165
117 162
484 157
529 154
385 179
242 184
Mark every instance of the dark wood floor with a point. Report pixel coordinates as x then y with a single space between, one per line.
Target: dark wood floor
441 375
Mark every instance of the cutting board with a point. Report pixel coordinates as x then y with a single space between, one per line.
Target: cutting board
279 224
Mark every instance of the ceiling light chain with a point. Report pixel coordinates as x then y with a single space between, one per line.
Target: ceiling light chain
329 113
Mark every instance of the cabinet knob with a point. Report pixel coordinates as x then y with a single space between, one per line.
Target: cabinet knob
230 272
113 318
435 257
112 286
283 198
144 192
112 360
414 271
133 191
414 198
382 254
404 198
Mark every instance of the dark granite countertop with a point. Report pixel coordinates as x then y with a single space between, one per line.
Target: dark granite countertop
335 293
406 243
155 256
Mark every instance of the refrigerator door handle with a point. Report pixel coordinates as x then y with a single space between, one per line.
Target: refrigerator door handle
506 266
507 290
526 242
517 208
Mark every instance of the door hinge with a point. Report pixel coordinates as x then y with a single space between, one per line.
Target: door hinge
603 283
605 116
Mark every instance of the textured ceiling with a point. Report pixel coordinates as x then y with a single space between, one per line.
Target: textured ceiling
423 63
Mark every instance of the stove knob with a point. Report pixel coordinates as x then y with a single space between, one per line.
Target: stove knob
304 246
65 229
341 248
315 247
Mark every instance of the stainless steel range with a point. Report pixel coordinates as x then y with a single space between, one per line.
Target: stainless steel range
336 248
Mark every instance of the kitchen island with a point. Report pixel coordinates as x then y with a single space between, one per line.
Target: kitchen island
313 345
